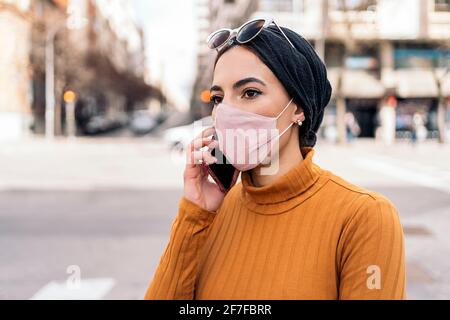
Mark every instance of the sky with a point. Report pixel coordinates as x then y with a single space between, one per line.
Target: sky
171 42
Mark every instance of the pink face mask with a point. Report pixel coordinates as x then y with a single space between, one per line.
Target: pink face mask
246 138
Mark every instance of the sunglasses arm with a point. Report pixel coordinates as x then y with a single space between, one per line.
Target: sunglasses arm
281 30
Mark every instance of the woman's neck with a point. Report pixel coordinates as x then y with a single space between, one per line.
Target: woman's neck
288 157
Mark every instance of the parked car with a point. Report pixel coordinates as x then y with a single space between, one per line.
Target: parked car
100 124
142 122
97 124
179 137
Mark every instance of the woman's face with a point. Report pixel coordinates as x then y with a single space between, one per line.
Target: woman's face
242 80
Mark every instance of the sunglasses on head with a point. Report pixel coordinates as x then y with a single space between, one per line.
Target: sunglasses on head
245 33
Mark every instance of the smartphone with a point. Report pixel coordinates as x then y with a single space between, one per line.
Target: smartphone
222 172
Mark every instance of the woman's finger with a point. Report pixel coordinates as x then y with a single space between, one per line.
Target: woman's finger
206 133
213 144
203 156
199 143
202 140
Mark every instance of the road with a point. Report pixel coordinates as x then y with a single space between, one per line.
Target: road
104 207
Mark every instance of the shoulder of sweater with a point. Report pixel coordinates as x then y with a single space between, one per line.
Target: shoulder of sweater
365 199
345 185
370 209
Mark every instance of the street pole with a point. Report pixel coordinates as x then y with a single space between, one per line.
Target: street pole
76 24
70 99
442 130
50 84
320 43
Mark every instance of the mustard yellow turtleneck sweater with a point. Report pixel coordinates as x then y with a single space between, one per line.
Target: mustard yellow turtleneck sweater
307 235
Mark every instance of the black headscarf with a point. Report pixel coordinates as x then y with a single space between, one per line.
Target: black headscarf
300 70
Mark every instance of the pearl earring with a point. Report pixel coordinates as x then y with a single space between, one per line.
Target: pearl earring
299 122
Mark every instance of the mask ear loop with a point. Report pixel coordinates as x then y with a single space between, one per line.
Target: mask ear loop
270 141
277 119
285 108
286 129
281 114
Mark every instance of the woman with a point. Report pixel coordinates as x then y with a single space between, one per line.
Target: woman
298 233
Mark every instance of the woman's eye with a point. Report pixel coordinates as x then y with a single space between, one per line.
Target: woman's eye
251 93
216 100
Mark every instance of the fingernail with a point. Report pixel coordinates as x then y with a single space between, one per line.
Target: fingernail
213 144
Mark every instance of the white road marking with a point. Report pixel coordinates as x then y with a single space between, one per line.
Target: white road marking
438 180
89 289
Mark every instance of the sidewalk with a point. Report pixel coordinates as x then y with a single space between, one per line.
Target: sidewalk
88 164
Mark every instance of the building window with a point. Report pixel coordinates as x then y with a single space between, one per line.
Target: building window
334 54
442 5
421 57
354 5
361 62
363 57
277 5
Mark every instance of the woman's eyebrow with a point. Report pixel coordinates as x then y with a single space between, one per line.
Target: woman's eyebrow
239 83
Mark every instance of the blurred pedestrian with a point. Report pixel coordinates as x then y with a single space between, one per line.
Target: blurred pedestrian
418 128
351 127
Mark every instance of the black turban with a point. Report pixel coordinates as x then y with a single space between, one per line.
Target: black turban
300 70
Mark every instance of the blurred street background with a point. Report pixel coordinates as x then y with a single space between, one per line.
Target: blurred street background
98 99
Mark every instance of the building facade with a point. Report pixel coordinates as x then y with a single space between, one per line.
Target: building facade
15 86
92 48
387 62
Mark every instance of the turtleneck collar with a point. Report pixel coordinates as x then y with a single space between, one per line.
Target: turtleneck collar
286 191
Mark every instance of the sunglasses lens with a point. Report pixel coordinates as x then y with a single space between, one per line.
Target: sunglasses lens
218 39
250 30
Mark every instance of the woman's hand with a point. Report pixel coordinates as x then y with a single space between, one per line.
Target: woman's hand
197 188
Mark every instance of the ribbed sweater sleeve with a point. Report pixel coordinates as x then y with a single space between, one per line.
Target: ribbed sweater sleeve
371 251
174 277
